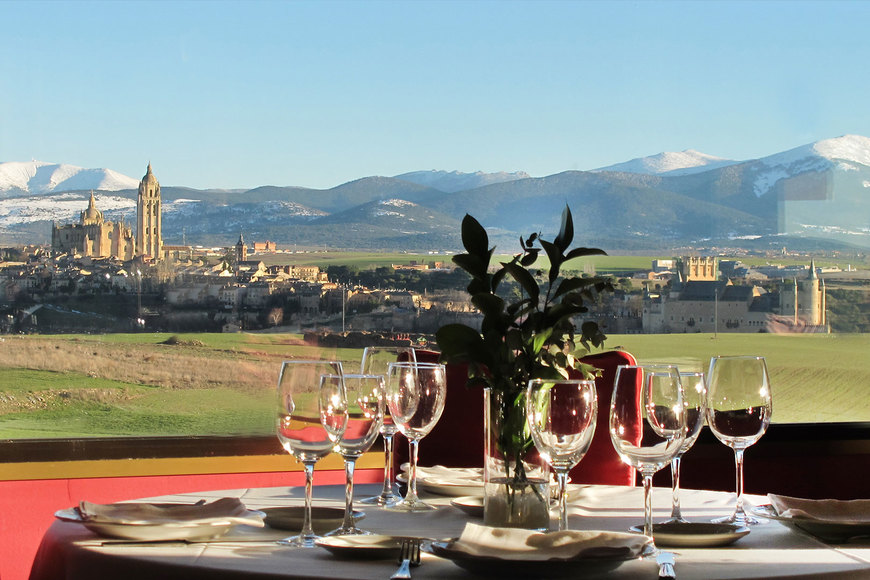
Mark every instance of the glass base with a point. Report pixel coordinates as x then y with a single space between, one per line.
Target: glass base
299 541
354 531
679 520
739 518
382 500
410 506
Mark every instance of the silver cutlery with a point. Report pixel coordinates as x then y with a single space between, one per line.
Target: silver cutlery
409 555
665 560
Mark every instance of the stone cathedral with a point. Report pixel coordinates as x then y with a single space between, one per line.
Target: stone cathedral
95 237
149 236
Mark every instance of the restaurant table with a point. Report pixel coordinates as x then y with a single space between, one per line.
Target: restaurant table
771 550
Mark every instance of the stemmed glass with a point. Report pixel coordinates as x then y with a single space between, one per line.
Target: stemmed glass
561 416
376 361
647 422
738 412
415 396
312 415
694 399
365 401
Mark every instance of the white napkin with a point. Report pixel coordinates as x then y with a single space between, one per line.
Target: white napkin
517 544
228 509
855 511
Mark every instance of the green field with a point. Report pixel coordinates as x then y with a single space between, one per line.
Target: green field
371 260
222 384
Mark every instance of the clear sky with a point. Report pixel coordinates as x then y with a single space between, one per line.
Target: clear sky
314 94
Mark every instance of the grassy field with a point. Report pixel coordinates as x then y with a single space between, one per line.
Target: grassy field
371 260
195 384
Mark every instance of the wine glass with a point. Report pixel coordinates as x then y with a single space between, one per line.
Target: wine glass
312 415
376 361
694 399
415 396
365 413
561 416
738 412
647 422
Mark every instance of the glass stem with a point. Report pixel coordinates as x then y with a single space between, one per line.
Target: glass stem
307 529
388 465
676 513
562 477
738 463
349 464
411 496
647 505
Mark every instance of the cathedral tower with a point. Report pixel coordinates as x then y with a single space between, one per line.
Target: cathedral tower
149 235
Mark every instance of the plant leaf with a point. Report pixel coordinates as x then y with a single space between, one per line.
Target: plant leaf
566 232
524 278
580 252
474 236
555 257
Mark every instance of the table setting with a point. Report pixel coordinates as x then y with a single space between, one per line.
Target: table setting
515 515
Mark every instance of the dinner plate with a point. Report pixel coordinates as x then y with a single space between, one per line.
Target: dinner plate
695 534
373 546
470 504
520 568
449 486
323 519
192 530
826 530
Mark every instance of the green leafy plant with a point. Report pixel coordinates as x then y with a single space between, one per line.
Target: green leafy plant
529 334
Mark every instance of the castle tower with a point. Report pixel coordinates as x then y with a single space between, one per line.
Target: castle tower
149 235
241 250
811 298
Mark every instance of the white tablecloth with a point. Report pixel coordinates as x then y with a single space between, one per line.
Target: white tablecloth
771 550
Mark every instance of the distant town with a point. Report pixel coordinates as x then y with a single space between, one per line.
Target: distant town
103 276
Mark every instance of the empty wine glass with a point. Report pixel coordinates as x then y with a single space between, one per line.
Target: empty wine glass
694 399
376 361
647 422
365 412
312 415
415 396
738 412
561 416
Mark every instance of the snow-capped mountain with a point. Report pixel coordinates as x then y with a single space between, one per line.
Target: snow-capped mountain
39 177
817 191
845 153
453 181
670 163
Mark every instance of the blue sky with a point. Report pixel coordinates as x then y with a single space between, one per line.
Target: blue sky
314 94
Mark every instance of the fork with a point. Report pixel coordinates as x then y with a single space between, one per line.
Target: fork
409 555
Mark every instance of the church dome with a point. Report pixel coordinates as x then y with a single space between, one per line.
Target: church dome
92 214
149 176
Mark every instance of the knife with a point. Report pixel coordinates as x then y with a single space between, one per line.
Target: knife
665 560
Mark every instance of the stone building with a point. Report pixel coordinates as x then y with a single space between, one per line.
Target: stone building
94 237
804 302
149 233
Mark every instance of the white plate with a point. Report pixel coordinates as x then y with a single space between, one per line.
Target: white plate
193 530
695 534
466 481
470 504
373 546
830 531
323 519
517 568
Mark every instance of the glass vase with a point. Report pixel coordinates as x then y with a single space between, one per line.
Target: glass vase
516 493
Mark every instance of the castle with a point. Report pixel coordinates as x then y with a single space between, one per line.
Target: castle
97 238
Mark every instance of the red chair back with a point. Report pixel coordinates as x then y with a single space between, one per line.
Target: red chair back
457 439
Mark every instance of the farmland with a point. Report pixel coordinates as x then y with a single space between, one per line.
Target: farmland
222 384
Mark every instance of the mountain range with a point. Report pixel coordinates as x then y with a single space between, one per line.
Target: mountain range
814 195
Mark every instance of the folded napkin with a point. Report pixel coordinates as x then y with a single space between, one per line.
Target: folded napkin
517 544
228 509
855 511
